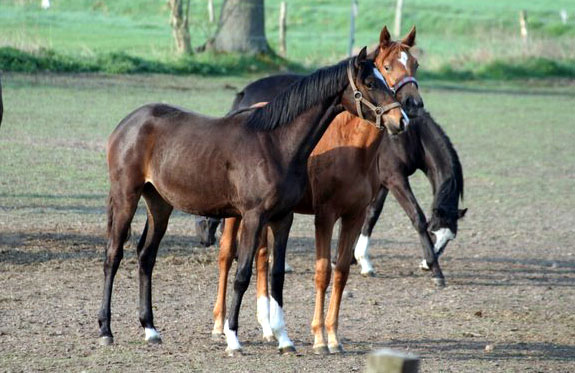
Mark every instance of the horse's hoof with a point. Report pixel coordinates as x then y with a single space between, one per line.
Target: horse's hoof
269 338
217 335
154 340
106 340
287 350
370 273
439 282
321 350
337 349
234 352
423 266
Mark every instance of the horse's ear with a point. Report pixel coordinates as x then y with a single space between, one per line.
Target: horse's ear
461 213
409 39
360 57
384 38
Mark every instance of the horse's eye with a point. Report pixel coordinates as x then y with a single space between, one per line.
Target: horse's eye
387 67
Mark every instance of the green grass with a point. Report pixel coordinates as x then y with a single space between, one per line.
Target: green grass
451 34
512 141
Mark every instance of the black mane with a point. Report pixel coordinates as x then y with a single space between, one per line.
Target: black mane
452 187
300 96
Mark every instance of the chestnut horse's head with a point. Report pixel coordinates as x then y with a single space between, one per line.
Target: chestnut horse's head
370 97
398 66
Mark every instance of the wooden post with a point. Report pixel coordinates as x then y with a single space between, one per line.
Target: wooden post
354 12
390 361
564 16
398 11
523 25
283 14
211 10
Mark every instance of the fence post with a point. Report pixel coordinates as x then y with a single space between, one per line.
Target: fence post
352 27
398 11
523 25
390 361
283 14
211 10
564 16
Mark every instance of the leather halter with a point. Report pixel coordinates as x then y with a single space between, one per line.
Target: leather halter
406 80
358 97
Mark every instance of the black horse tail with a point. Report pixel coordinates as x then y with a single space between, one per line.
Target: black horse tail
110 214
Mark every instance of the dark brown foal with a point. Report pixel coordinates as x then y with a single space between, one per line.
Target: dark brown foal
250 164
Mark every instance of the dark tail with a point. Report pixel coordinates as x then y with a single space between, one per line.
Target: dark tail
110 213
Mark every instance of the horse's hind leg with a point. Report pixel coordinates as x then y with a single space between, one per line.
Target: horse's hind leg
350 229
280 232
228 244
262 295
361 247
158 216
122 205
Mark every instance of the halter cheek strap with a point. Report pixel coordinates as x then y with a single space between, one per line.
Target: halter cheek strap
358 97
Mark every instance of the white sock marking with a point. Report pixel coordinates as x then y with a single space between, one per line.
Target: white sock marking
151 333
278 324
231 338
361 254
263 313
423 265
403 57
442 235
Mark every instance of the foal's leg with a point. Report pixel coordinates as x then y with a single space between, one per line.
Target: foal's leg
252 225
402 192
122 204
323 230
280 230
361 248
159 212
263 300
225 259
350 229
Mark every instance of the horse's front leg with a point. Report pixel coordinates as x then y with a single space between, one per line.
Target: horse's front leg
361 247
323 231
403 194
280 232
349 233
252 225
225 259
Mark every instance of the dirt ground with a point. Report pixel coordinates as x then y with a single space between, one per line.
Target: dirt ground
510 273
519 305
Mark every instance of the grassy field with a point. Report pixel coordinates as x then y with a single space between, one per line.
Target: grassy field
513 259
459 34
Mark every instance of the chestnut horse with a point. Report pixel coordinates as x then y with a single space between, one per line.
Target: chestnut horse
424 146
342 182
250 164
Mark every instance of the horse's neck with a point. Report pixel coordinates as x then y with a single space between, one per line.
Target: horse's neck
297 140
438 162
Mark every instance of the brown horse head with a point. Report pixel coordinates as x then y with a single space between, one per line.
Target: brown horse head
398 66
370 97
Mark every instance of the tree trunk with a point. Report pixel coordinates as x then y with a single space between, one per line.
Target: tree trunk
180 27
241 28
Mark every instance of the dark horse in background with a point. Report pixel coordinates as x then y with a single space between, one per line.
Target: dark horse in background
250 164
423 146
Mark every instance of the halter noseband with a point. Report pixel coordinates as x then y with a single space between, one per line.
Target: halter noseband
358 97
406 80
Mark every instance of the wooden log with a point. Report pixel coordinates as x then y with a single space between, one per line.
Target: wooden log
391 361
282 36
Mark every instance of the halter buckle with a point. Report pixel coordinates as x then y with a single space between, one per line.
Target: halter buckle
357 96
